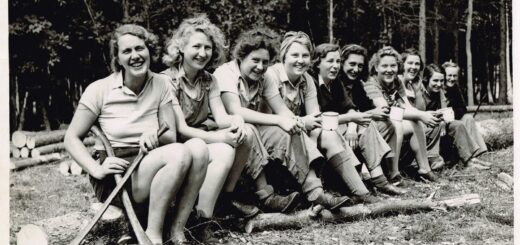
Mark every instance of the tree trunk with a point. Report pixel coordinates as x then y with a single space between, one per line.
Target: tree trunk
21 121
436 33
57 147
422 30
309 216
497 133
46 138
502 96
469 71
508 60
22 163
331 21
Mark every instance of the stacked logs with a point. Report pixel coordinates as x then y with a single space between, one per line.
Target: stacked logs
32 148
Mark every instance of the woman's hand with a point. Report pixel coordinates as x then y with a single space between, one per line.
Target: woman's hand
237 122
149 140
352 137
289 125
311 122
230 136
430 118
360 118
111 165
379 113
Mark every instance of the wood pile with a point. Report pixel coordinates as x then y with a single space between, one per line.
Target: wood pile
32 148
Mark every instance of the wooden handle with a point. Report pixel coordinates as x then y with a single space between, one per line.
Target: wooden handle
141 236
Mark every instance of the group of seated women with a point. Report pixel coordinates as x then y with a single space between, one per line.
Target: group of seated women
252 111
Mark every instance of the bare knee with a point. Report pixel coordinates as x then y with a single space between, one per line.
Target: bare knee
178 157
223 154
198 150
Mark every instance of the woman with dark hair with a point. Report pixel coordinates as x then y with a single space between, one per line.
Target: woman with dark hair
299 95
412 67
359 130
129 105
463 133
385 89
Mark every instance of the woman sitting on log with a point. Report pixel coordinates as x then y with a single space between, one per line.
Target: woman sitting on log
463 133
129 105
412 66
196 45
386 90
244 85
299 95
359 130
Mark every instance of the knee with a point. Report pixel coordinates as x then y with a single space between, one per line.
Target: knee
250 134
225 154
199 153
330 140
180 159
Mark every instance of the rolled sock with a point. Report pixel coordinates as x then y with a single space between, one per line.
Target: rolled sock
342 164
380 181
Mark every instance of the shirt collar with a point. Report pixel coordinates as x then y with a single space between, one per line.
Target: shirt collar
322 83
285 79
118 79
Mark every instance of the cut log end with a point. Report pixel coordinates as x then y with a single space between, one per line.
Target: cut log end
31 234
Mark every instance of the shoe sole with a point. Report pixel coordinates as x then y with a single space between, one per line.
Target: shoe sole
292 204
339 205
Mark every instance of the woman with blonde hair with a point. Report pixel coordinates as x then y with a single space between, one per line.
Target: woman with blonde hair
129 105
386 90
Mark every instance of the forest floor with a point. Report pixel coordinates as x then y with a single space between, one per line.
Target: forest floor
42 192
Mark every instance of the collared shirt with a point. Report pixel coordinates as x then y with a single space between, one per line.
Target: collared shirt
426 101
334 97
122 114
411 86
230 79
393 94
294 95
193 97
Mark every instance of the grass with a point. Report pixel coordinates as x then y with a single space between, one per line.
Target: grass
42 192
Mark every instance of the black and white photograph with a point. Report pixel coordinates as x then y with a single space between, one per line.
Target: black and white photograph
378 122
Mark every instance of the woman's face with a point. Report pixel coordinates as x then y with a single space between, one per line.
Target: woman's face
412 66
435 82
133 55
255 65
197 51
329 66
297 60
353 66
387 69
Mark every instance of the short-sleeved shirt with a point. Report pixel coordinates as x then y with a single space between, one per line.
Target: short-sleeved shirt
394 94
229 79
122 114
294 95
411 87
194 97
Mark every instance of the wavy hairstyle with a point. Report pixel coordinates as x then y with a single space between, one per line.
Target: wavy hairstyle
320 53
150 40
255 39
376 58
182 34
409 52
449 64
429 70
295 37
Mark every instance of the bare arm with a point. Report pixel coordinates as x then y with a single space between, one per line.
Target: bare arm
166 116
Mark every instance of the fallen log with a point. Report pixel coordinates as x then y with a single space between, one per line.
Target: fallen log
506 179
61 229
57 147
15 151
19 138
64 166
17 164
491 108
45 138
497 133
24 152
306 217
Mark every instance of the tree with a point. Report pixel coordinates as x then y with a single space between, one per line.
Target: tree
469 63
422 29
502 97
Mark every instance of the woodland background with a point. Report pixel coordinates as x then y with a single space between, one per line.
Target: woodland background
58 47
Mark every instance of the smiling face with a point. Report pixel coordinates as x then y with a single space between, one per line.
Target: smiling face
133 55
254 65
297 61
435 82
353 66
412 66
197 51
329 66
452 75
387 69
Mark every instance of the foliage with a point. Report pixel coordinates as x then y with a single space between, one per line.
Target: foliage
57 47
